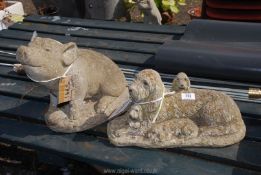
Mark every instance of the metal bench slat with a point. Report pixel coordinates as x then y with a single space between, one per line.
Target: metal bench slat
18 108
26 87
21 88
92 33
130 70
119 56
86 42
92 150
112 25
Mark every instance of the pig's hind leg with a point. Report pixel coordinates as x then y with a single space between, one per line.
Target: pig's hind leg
108 104
104 103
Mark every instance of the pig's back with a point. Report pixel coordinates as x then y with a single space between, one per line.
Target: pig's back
97 58
105 69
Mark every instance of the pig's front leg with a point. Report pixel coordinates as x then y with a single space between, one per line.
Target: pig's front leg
54 114
76 105
76 109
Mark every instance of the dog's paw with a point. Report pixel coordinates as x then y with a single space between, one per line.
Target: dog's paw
135 124
101 109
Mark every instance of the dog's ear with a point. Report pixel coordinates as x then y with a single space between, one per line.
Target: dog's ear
188 82
158 86
174 85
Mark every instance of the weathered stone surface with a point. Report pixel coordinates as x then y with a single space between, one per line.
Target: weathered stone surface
181 82
98 85
210 118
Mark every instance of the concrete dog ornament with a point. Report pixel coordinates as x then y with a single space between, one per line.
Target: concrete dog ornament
181 82
86 87
186 118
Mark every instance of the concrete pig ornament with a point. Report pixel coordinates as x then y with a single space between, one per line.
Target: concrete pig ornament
186 117
86 87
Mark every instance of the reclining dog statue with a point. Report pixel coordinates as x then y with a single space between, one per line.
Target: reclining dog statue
186 118
86 87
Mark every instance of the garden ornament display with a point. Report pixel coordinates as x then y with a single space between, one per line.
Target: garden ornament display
86 87
150 10
185 118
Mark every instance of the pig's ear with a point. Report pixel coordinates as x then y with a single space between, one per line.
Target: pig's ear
69 53
34 36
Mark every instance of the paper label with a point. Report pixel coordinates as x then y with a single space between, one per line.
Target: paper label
65 90
188 96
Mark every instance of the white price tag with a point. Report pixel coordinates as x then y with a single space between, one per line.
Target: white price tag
188 96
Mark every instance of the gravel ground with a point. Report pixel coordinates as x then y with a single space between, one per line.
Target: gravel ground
183 17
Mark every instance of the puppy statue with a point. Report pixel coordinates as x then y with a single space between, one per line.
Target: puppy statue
86 87
135 116
181 82
186 118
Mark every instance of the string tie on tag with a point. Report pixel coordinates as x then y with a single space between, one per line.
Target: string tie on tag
161 99
53 79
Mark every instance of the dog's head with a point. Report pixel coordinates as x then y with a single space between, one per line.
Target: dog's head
181 82
146 86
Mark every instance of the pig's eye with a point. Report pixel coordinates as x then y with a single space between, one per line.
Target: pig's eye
145 83
47 49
